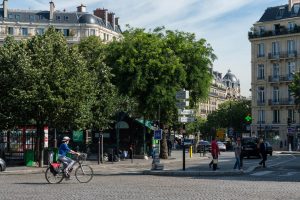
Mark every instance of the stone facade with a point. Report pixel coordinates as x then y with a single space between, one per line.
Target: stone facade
76 25
275 40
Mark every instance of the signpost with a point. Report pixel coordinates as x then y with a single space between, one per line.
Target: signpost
184 115
158 134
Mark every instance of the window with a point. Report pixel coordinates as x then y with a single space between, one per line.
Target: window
261 72
291 114
11 30
275 48
58 18
291 26
40 31
275 95
24 31
261 50
290 95
261 29
261 116
104 36
276 116
291 69
291 47
296 8
18 17
66 18
31 17
10 16
66 32
280 12
275 70
92 32
261 95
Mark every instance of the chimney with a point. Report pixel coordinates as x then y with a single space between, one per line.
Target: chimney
101 13
52 7
112 20
81 8
5 8
292 2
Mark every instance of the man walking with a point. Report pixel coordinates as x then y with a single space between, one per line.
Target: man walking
215 152
263 152
237 153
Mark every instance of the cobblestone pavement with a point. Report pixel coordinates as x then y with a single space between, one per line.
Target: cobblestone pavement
141 187
279 181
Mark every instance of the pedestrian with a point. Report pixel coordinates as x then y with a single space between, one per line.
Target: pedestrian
215 152
263 152
237 153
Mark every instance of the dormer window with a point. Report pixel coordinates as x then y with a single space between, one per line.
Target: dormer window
58 18
296 8
280 12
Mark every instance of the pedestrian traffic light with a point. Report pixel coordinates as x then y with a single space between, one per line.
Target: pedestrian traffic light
248 118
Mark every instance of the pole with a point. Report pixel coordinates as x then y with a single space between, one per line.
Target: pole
55 139
183 150
99 148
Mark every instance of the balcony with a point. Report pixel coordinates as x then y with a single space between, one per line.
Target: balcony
260 103
283 101
282 55
281 31
282 78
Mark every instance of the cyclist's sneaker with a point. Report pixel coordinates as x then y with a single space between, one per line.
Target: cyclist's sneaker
70 170
68 178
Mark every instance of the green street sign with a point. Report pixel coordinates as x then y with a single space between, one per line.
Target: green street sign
248 118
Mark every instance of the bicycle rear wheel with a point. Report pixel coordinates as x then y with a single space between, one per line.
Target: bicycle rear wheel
51 178
84 173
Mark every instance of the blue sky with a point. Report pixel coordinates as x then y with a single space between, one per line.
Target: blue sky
223 23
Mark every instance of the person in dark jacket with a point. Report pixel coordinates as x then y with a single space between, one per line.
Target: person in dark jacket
263 152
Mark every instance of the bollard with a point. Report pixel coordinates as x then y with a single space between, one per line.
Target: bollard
191 151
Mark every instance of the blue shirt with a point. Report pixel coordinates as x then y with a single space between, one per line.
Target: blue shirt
63 149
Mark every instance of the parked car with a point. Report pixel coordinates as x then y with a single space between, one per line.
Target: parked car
221 145
188 142
203 145
2 165
249 147
269 148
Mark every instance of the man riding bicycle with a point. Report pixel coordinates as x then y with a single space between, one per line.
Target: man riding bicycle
62 152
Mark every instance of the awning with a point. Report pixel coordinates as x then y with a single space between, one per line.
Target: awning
148 123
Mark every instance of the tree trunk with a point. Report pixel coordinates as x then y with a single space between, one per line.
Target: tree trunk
164 146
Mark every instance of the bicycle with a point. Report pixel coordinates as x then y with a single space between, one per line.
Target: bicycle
83 173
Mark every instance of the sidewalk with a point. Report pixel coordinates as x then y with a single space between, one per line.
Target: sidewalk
195 166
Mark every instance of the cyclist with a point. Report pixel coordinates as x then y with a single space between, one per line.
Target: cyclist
62 152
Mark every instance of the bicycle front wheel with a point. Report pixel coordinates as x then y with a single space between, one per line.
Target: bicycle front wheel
53 178
84 173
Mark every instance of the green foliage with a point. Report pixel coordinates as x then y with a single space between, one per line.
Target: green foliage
295 88
229 114
153 66
53 83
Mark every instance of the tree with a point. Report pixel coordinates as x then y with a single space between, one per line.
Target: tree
229 114
295 88
152 67
54 86
106 103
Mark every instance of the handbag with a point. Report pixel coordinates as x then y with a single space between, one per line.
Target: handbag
215 161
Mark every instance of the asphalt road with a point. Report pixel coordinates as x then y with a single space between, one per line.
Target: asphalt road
279 181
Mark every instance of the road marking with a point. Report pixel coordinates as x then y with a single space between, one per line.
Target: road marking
289 174
261 173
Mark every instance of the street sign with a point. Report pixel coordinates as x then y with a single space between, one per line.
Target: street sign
185 112
230 132
158 134
291 130
184 94
182 104
186 119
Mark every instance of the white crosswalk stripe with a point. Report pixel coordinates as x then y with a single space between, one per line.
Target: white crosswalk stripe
262 173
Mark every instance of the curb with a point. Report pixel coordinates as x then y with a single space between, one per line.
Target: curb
191 173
